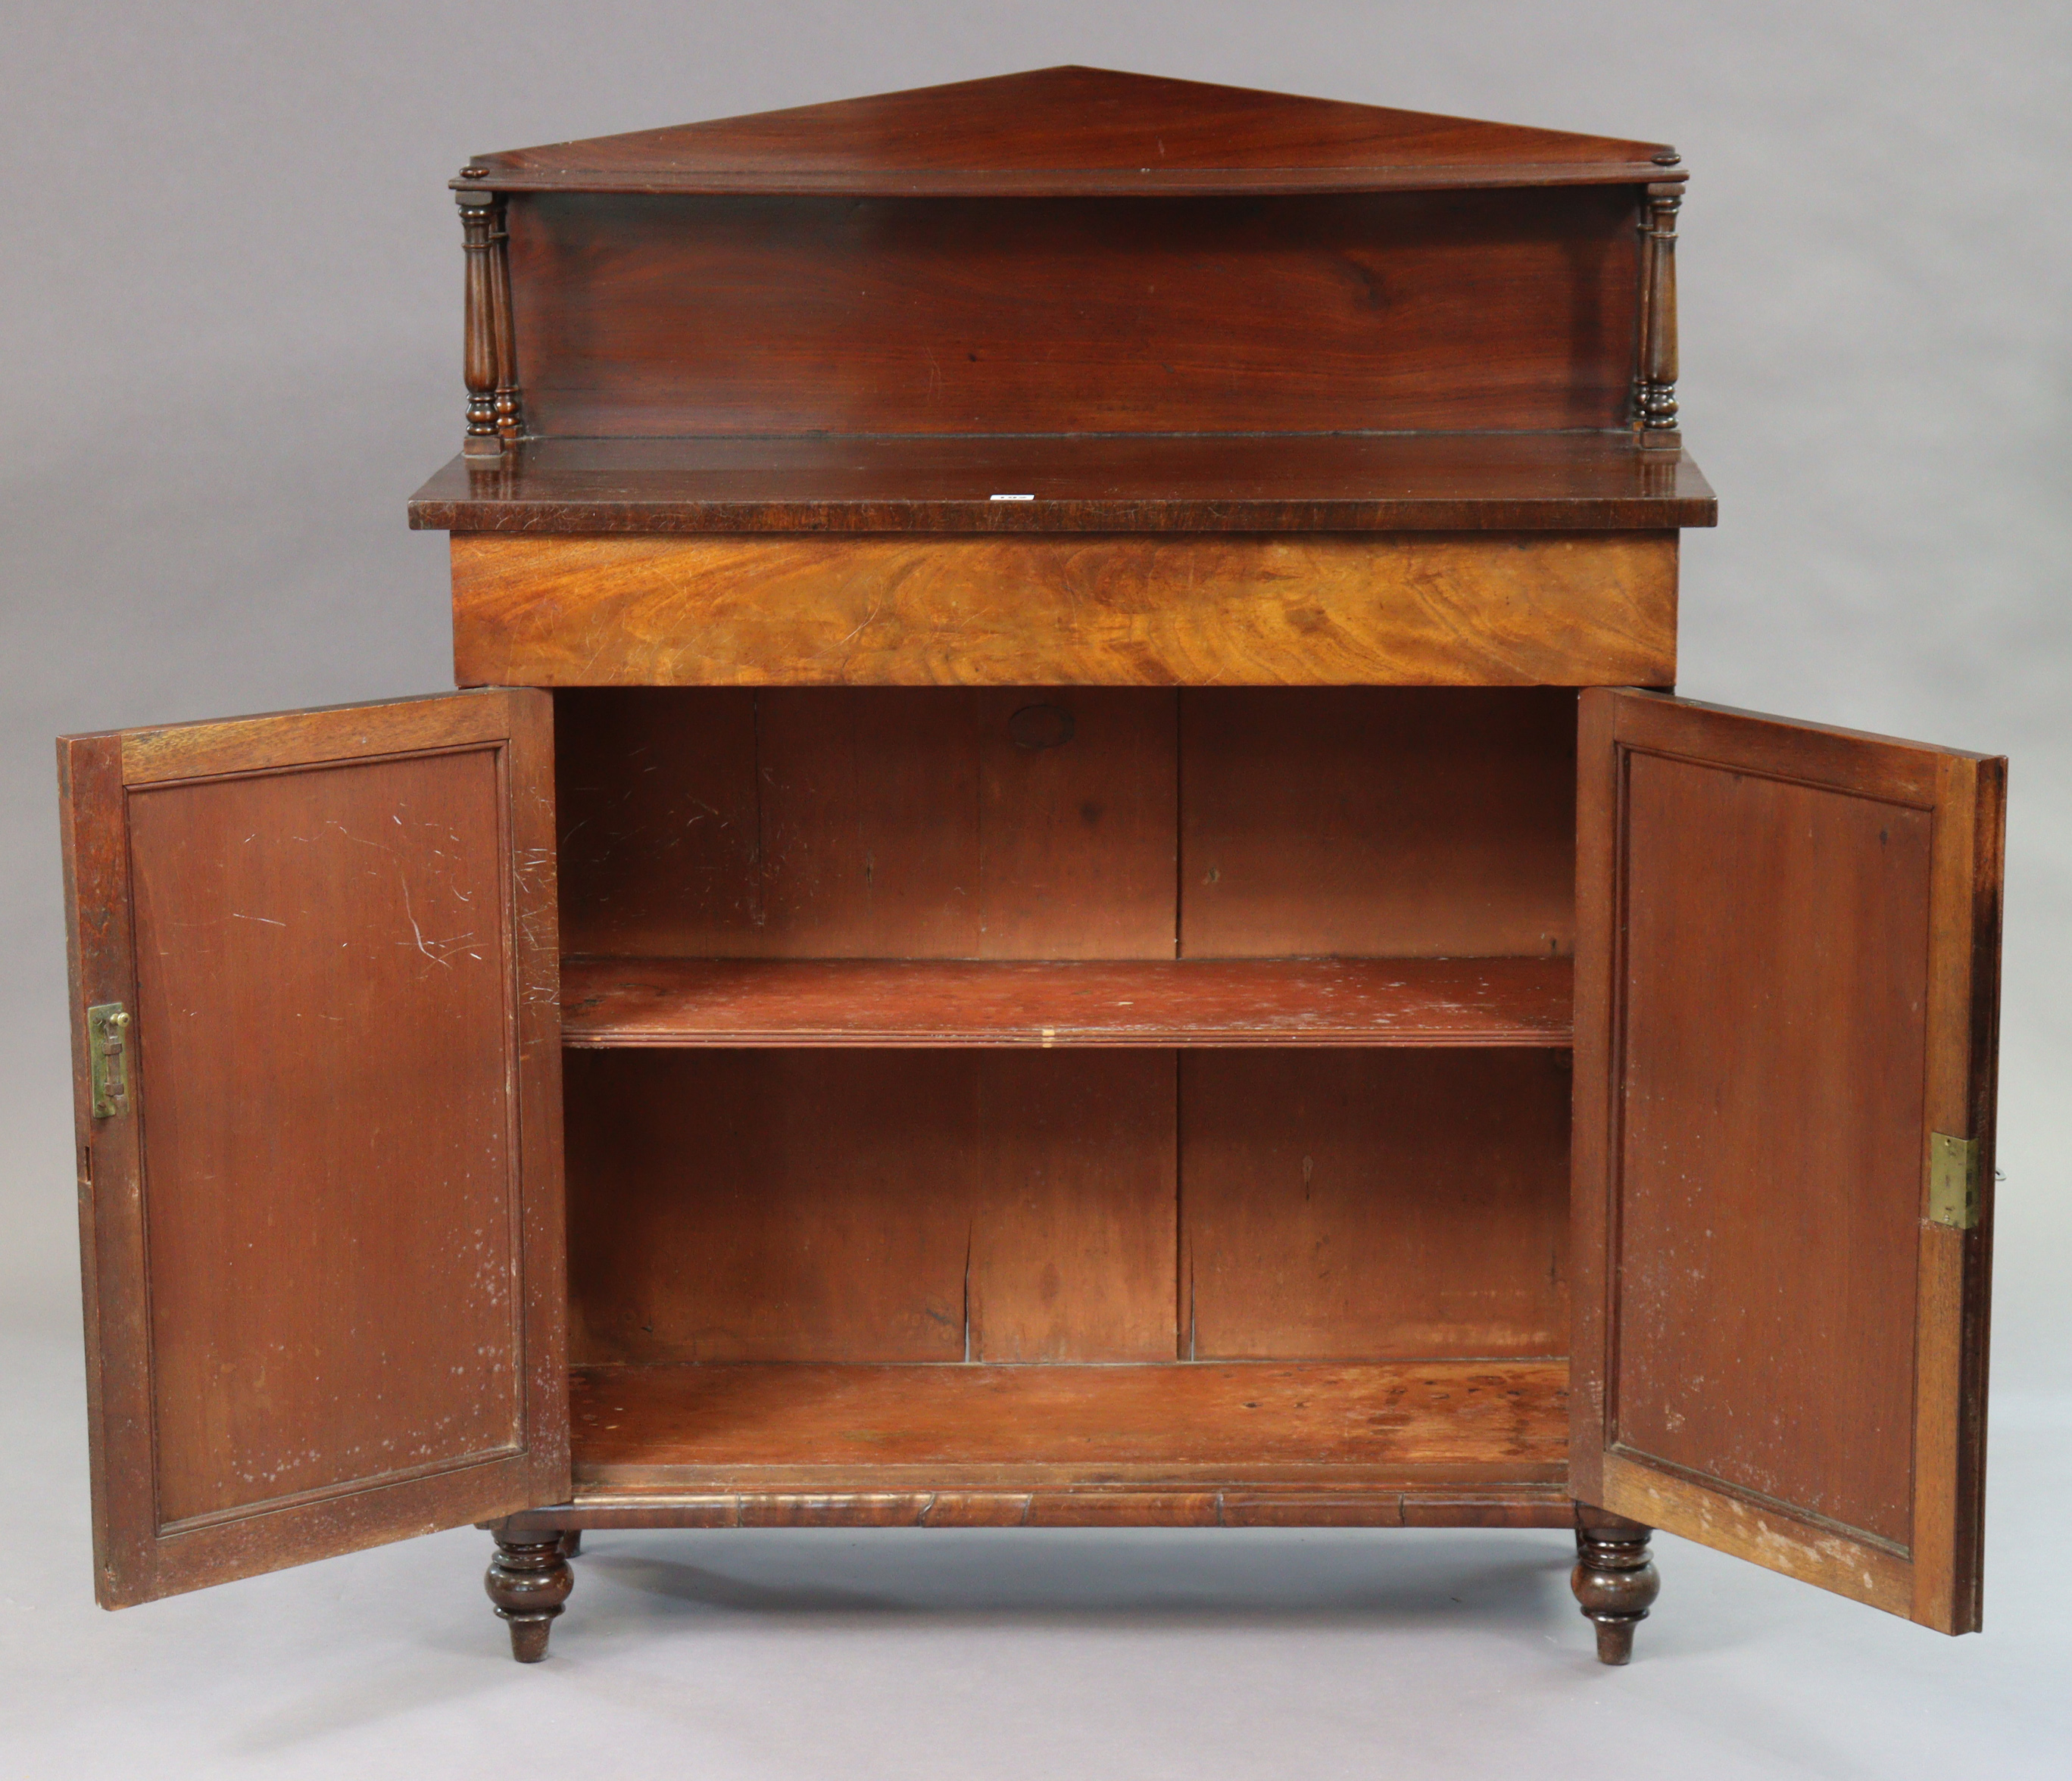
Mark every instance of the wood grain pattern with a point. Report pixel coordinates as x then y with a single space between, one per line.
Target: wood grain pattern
1349 1205
787 823
1223 483
658 799
287 740
665 316
1398 821
869 1205
1431 1506
1853 761
333 1264
1071 129
1961 1091
1567 610
1768 1209
804 1426
1591 1125
616 1002
769 1206
1785 929
1763 1533
1513 1505
267 909
1078 822
1074 1235
100 961
870 837
826 822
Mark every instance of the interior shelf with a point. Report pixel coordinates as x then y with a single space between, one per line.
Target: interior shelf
744 1426
734 1002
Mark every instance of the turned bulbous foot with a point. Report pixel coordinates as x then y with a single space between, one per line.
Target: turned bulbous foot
1615 1585
528 1580
572 1543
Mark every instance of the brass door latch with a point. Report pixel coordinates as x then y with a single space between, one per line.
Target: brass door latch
105 1024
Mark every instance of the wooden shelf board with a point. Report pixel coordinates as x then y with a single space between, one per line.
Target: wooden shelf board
859 1505
1387 1428
679 1002
1272 482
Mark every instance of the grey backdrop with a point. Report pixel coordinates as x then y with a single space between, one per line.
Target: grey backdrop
230 289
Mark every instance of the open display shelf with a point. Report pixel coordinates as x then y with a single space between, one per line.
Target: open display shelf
1067 1105
609 1002
1159 1442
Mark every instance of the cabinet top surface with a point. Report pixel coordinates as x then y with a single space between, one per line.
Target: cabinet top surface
1075 131
1036 482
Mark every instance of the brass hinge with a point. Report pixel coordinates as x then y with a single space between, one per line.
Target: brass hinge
105 1024
1953 1181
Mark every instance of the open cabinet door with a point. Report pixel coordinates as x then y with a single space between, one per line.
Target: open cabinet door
1786 986
317 1059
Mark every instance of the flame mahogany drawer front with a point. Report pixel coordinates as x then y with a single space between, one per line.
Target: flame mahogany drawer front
1464 609
1067 893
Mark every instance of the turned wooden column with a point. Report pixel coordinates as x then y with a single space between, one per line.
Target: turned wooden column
1654 380
528 1580
503 334
1615 1584
489 360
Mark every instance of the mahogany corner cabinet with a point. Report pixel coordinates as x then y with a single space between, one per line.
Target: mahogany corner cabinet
1065 890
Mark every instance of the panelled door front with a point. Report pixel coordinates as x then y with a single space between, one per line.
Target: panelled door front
317 1058
1787 988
